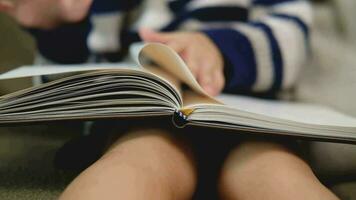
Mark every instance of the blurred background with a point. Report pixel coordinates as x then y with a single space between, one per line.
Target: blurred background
17 48
329 78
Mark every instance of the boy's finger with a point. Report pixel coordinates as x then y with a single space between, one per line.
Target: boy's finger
206 72
193 66
6 6
191 60
210 89
207 84
205 79
149 35
177 46
212 80
73 10
219 80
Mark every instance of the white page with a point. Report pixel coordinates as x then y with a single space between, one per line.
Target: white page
33 70
298 112
42 70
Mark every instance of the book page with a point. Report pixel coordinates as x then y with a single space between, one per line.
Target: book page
94 95
166 76
171 62
30 71
297 112
167 59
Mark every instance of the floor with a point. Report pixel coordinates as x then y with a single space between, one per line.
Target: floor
26 163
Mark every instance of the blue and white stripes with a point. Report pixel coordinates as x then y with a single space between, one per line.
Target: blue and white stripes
262 54
277 32
264 42
289 22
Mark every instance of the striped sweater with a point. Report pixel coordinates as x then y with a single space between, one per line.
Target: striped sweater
264 42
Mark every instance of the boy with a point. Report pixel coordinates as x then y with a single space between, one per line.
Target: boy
238 46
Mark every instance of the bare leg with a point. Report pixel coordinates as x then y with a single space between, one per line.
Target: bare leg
262 170
145 164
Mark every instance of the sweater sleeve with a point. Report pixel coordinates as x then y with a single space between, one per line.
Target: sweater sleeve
266 53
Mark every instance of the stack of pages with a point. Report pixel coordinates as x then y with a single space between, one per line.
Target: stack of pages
162 86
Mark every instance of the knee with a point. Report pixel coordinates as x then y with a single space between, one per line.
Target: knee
260 164
255 155
155 154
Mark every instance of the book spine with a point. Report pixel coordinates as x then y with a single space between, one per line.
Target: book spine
179 119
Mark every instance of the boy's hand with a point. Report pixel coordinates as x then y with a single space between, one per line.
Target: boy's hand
45 14
199 52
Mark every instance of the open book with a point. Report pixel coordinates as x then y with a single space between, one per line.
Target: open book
163 86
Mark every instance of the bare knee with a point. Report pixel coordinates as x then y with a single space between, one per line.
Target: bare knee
145 164
269 170
258 157
155 155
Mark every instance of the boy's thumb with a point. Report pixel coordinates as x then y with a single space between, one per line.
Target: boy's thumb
6 6
149 35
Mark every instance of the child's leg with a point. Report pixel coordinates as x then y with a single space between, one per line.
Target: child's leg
145 164
263 170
